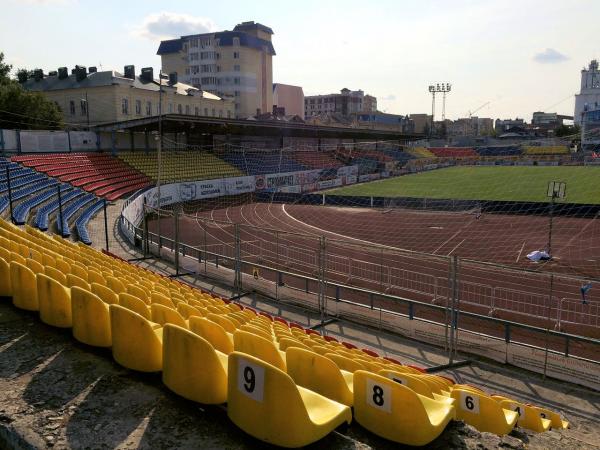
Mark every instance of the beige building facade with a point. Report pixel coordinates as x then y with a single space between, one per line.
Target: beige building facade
290 98
235 65
108 96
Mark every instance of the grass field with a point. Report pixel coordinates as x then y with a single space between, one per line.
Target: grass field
514 183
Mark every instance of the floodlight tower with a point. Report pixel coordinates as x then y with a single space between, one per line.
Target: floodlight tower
444 88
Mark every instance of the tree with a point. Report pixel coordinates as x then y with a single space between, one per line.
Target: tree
567 130
22 109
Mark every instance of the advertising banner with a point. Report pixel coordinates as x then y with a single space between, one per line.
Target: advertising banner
351 179
329 183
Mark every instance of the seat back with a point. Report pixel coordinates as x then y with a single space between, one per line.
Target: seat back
136 344
56 274
395 412
54 302
91 321
345 363
74 280
192 367
96 277
105 293
162 314
35 266
187 311
5 286
256 330
136 304
287 342
223 321
529 418
24 287
258 390
161 299
213 333
139 292
115 284
318 373
409 380
259 347
79 271
482 411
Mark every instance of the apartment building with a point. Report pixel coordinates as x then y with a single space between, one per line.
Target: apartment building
102 97
235 65
346 103
589 93
289 99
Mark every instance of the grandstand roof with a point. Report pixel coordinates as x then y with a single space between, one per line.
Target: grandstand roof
213 125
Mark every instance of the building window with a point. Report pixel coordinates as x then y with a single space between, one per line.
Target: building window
228 114
179 109
236 55
220 113
72 107
237 93
196 110
187 109
236 80
237 106
125 106
170 108
194 43
236 41
236 68
148 108
138 107
213 113
83 106
193 56
206 111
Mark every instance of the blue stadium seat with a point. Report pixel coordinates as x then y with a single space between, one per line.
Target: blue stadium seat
262 162
25 192
21 181
69 211
42 217
21 211
82 221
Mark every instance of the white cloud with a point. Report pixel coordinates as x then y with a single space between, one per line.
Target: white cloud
388 98
169 25
550 56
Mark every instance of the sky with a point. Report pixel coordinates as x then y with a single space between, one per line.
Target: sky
509 58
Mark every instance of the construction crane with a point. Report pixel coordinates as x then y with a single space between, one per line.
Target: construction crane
482 106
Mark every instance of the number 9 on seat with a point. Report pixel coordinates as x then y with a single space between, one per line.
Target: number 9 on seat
251 379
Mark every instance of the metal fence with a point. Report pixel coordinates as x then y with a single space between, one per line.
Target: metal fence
532 308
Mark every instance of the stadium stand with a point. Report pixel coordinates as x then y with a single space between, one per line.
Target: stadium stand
69 211
546 150
276 395
101 174
180 166
21 211
260 163
505 150
365 165
452 152
420 152
42 217
315 159
399 155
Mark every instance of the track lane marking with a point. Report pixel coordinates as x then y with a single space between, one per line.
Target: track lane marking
520 251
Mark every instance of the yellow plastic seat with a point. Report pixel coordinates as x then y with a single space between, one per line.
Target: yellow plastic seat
483 412
24 287
17 258
56 275
214 333
63 266
79 271
555 419
320 374
162 315
416 383
74 280
397 413
35 266
192 368
139 292
161 299
187 311
5 286
137 342
223 321
135 304
259 347
115 284
256 330
96 277
54 302
285 343
345 363
266 403
528 417
105 293
91 319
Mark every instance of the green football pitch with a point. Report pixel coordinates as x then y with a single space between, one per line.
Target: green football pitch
510 183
